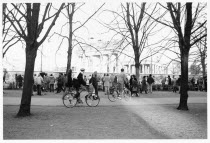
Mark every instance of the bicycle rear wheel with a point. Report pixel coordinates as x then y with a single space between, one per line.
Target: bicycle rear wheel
127 94
69 100
113 97
91 100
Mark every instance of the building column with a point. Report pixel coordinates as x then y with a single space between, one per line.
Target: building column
108 56
116 64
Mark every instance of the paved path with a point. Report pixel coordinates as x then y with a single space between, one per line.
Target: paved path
104 101
13 97
152 116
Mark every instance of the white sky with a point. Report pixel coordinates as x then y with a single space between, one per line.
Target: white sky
16 55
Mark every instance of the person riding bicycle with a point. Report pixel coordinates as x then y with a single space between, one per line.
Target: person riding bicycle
94 82
81 83
121 79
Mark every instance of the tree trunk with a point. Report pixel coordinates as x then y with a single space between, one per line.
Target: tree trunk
28 82
137 64
203 65
70 15
184 81
69 59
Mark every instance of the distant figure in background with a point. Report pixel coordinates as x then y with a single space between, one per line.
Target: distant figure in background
52 81
102 79
20 81
121 79
46 83
4 78
163 82
134 85
178 82
169 80
34 85
144 84
174 84
111 80
193 83
200 84
150 82
106 83
39 81
60 83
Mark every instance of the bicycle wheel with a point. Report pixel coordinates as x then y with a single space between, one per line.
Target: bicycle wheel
69 100
127 94
92 101
113 97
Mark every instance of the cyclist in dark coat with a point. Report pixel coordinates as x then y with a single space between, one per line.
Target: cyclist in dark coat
94 82
80 81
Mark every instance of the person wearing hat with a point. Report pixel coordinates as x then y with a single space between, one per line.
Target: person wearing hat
81 82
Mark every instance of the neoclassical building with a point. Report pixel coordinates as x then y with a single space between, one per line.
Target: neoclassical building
108 60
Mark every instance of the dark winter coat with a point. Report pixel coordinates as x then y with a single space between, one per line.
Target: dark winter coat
144 85
150 80
80 79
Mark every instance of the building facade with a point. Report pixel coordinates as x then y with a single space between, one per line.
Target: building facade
109 61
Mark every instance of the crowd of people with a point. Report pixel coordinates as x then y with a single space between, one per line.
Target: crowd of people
44 83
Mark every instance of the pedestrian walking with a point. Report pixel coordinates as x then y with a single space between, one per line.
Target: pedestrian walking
134 85
144 84
106 83
52 82
178 82
163 82
121 80
39 81
174 83
59 83
150 82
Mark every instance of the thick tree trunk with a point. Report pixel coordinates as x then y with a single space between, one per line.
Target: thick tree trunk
70 15
28 82
137 64
184 81
69 59
203 65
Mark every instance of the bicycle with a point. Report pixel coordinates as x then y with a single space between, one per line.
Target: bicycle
114 94
70 100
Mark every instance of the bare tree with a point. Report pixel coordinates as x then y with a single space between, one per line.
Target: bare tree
183 24
202 50
27 26
135 28
10 36
72 39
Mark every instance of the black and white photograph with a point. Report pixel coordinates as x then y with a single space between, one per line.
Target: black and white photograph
104 71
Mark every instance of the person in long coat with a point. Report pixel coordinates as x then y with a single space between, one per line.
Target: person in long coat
144 84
